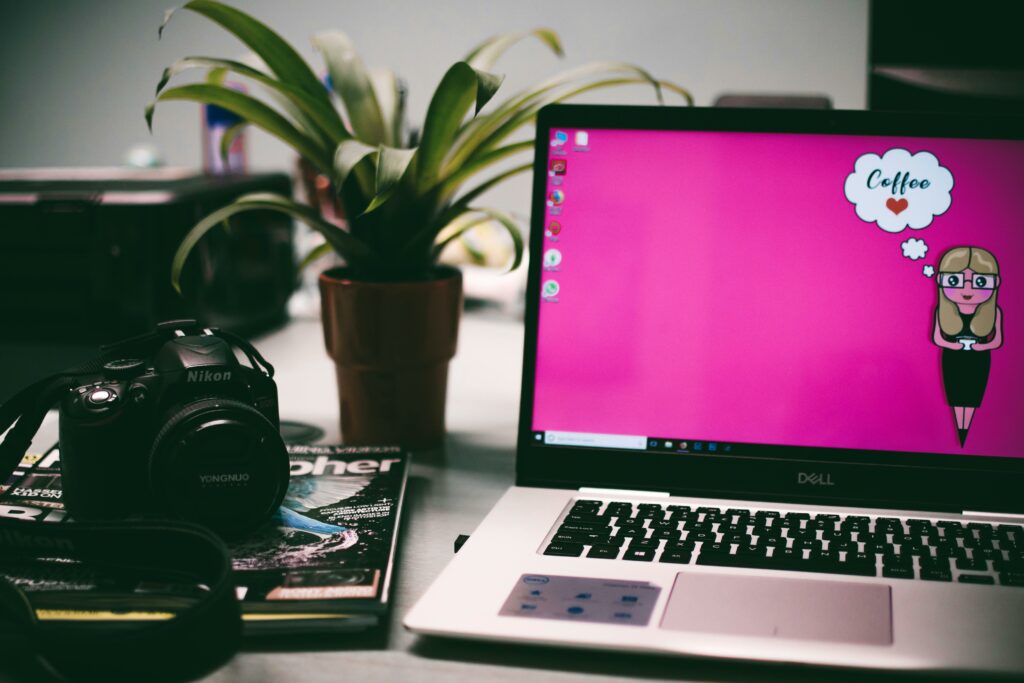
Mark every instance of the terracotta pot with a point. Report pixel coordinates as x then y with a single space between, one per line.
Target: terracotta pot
391 343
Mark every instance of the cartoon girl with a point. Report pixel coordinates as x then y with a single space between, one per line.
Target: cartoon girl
968 325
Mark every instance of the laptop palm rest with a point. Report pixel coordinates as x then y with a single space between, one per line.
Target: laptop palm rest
806 609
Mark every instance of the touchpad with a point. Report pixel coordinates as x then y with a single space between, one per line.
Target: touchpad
780 607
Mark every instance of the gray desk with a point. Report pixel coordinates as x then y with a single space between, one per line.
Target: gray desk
449 494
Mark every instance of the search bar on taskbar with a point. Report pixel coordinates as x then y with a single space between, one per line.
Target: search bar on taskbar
595 440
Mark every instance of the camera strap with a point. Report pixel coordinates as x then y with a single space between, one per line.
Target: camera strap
195 639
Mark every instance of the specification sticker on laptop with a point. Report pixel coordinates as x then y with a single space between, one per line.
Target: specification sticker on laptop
576 598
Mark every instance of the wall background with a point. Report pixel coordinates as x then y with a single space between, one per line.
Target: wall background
75 75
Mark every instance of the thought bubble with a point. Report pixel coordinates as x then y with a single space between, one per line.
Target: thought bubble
928 271
899 190
914 249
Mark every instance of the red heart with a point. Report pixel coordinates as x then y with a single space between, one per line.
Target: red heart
897 206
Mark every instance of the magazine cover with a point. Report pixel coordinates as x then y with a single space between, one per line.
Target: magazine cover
324 563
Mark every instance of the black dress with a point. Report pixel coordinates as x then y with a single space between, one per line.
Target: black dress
965 373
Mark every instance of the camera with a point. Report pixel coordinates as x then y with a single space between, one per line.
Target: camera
183 430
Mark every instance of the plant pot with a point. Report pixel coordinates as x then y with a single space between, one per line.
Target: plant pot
391 343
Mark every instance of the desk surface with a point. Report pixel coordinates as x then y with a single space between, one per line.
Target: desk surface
448 495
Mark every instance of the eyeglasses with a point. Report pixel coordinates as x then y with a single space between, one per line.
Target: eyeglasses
978 280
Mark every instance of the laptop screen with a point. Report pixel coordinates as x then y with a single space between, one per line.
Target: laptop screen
729 292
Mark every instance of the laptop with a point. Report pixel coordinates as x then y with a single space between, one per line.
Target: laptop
771 398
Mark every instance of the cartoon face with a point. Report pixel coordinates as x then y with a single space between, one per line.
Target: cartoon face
967 287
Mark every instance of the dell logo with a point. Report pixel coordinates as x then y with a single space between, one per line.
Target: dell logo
207 376
815 478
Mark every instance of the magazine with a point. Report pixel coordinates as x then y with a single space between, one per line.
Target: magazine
323 564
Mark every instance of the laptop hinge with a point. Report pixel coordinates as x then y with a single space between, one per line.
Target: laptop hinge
997 515
623 492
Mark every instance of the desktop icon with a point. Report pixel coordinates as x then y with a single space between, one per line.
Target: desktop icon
550 288
668 444
698 445
683 445
557 166
560 138
552 257
554 227
582 138
556 197
712 446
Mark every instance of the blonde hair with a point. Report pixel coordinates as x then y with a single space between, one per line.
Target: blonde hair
980 261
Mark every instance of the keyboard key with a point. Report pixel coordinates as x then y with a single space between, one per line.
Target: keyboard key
1011 578
894 572
667 534
604 552
644 544
676 556
564 549
897 561
641 555
936 574
976 578
585 527
718 548
586 539
974 563
935 563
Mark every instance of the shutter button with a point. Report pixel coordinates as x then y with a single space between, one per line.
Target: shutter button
100 397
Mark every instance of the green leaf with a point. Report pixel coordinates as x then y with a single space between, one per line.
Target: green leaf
347 246
391 165
461 86
390 98
480 162
348 155
315 254
279 56
229 137
464 201
320 114
482 133
253 111
489 215
351 81
484 55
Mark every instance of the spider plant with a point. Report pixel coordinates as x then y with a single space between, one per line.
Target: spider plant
405 198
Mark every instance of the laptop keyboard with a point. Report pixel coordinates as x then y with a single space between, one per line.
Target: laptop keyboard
892 547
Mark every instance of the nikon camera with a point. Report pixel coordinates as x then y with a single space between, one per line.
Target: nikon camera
187 431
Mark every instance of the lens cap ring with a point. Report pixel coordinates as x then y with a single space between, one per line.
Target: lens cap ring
221 463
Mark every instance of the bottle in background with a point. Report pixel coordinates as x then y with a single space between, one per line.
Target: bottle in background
218 122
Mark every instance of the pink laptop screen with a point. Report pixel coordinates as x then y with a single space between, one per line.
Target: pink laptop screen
703 290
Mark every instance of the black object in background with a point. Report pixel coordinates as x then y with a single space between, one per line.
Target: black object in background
85 258
85 254
768 101
945 56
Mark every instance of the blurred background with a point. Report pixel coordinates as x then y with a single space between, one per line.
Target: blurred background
85 257
76 75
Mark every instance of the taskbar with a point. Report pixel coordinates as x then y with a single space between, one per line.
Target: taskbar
631 442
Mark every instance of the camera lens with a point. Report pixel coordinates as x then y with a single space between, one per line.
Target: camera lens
221 463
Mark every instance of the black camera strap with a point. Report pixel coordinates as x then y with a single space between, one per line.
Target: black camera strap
196 638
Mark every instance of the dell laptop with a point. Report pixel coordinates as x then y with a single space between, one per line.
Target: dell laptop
772 394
